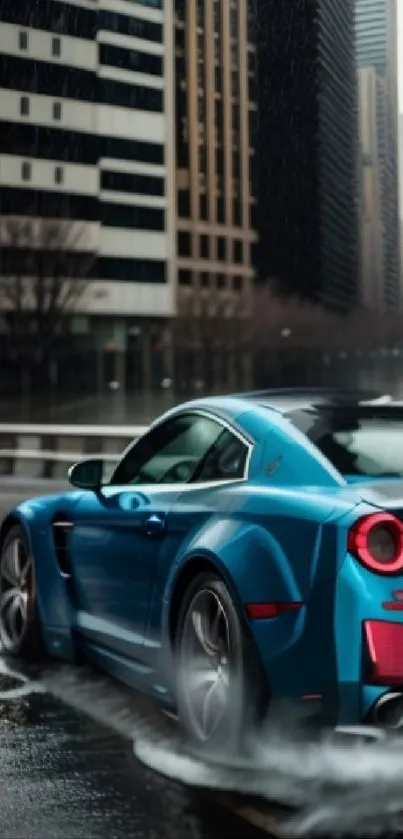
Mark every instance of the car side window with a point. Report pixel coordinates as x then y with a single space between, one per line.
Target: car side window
226 460
169 453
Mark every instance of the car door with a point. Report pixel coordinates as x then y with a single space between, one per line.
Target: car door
226 462
119 532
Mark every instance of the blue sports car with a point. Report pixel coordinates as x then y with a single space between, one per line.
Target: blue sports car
247 548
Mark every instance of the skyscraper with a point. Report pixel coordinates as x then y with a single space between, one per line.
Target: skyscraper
376 41
307 153
215 130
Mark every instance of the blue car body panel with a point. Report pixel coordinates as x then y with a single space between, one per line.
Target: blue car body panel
278 537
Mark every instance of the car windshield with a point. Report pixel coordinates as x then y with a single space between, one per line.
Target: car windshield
356 441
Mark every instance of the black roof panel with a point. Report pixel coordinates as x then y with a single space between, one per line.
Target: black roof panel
290 399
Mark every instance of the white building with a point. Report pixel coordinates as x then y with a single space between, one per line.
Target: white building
87 116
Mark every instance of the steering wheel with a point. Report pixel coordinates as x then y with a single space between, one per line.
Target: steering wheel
143 478
179 473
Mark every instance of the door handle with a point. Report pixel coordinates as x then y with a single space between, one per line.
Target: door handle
154 525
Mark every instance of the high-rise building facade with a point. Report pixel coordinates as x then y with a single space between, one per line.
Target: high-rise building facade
307 153
376 43
216 113
87 133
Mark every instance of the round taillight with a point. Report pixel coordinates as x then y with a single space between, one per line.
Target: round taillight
377 541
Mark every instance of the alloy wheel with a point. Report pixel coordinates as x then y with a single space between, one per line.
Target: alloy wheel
205 663
15 592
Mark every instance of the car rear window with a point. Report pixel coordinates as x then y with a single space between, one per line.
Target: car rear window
357 441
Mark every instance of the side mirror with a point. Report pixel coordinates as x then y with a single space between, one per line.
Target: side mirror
87 474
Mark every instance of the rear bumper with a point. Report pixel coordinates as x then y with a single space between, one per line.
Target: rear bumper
384 648
368 640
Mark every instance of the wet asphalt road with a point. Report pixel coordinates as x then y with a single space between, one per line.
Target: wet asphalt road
65 776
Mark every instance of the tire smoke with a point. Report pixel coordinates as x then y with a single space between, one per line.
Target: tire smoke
337 788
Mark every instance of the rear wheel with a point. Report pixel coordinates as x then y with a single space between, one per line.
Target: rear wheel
20 629
220 689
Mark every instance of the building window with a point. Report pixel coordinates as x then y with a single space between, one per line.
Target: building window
234 23
57 110
180 38
218 78
220 211
24 106
125 216
238 283
204 279
184 277
132 183
183 243
200 13
221 248
236 212
201 110
200 74
235 116
23 40
26 171
253 216
217 17
56 47
203 206
130 59
180 7
59 174
203 160
125 25
219 160
236 164
183 202
204 247
200 47
220 280
238 250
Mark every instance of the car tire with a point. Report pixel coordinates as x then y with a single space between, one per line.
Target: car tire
219 712
20 625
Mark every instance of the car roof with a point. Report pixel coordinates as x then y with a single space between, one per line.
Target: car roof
283 401
287 400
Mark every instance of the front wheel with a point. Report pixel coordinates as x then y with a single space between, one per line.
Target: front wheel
220 689
20 632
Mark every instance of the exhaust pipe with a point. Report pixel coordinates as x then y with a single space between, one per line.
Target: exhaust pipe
388 711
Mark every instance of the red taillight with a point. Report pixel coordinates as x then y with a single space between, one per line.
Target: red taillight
377 541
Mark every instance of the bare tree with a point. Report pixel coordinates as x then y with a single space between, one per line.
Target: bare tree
219 345
212 336
45 266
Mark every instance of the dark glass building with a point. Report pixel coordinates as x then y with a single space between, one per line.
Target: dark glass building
307 149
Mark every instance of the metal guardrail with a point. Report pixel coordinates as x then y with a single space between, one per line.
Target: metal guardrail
46 451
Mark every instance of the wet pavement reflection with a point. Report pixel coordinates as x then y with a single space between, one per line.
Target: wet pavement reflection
64 776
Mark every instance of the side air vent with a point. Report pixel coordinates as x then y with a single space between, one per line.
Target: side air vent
61 531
